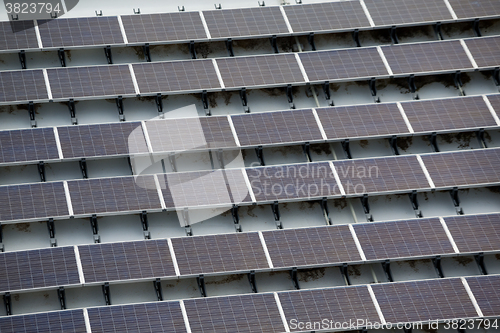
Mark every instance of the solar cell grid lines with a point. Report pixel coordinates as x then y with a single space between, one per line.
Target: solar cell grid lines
362 121
219 253
473 167
343 64
426 300
23 38
403 239
54 322
475 9
477 233
311 246
485 50
244 22
495 102
240 72
84 31
244 314
28 145
96 81
165 27
22 86
173 76
448 114
486 291
328 16
276 127
126 261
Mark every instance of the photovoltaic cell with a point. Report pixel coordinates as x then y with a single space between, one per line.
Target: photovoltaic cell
362 121
341 305
126 261
28 145
120 194
22 86
219 253
328 16
485 50
256 129
311 246
343 64
426 300
475 9
293 181
138 318
486 291
165 27
464 168
243 22
50 267
391 12
403 239
190 134
97 81
495 102
54 322
448 114
426 57
243 314
30 201
240 72
84 31
102 140
23 38
187 75
374 175
475 233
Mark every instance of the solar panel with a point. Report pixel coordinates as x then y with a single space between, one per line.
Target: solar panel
23 38
486 291
276 127
485 50
475 9
28 145
243 22
102 140
71 321
362 121
83 31
328 16
403 239
464 168
22 86
165 27
427 57
311 246
343 64
120 194
187 75
30 201
495 102
219 253
204 188
43 268
97 81
243 314
126 261
339 305
295 181
375 175
190 134
475 233
263 70
448 114
403 302
391 12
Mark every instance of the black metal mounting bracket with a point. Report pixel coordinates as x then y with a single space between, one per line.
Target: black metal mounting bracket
95 228
187 224
14 17
289 95
260 155
295 278
251 280
437 266
172 161
72 111
394 35
307 151
119 105
138 11
393 141
372 83
62 57
496 77
145 224
106 293
261 4
192 50
480 263
276 213
355 37
107 52
437 31
229 47
158 290
236 218
412 86
181 8
480 138
1 239
386 266
475 26
204 100
220 158
326 91
366 207
218 6
147 52
41 171
83 168
201 285
457 79
98 13
7 301
414 203
347 149
22 59
310 39
433 141
52 232
31 110
274 44
244 100
345 273
326 212
456 201
61 294
159 103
